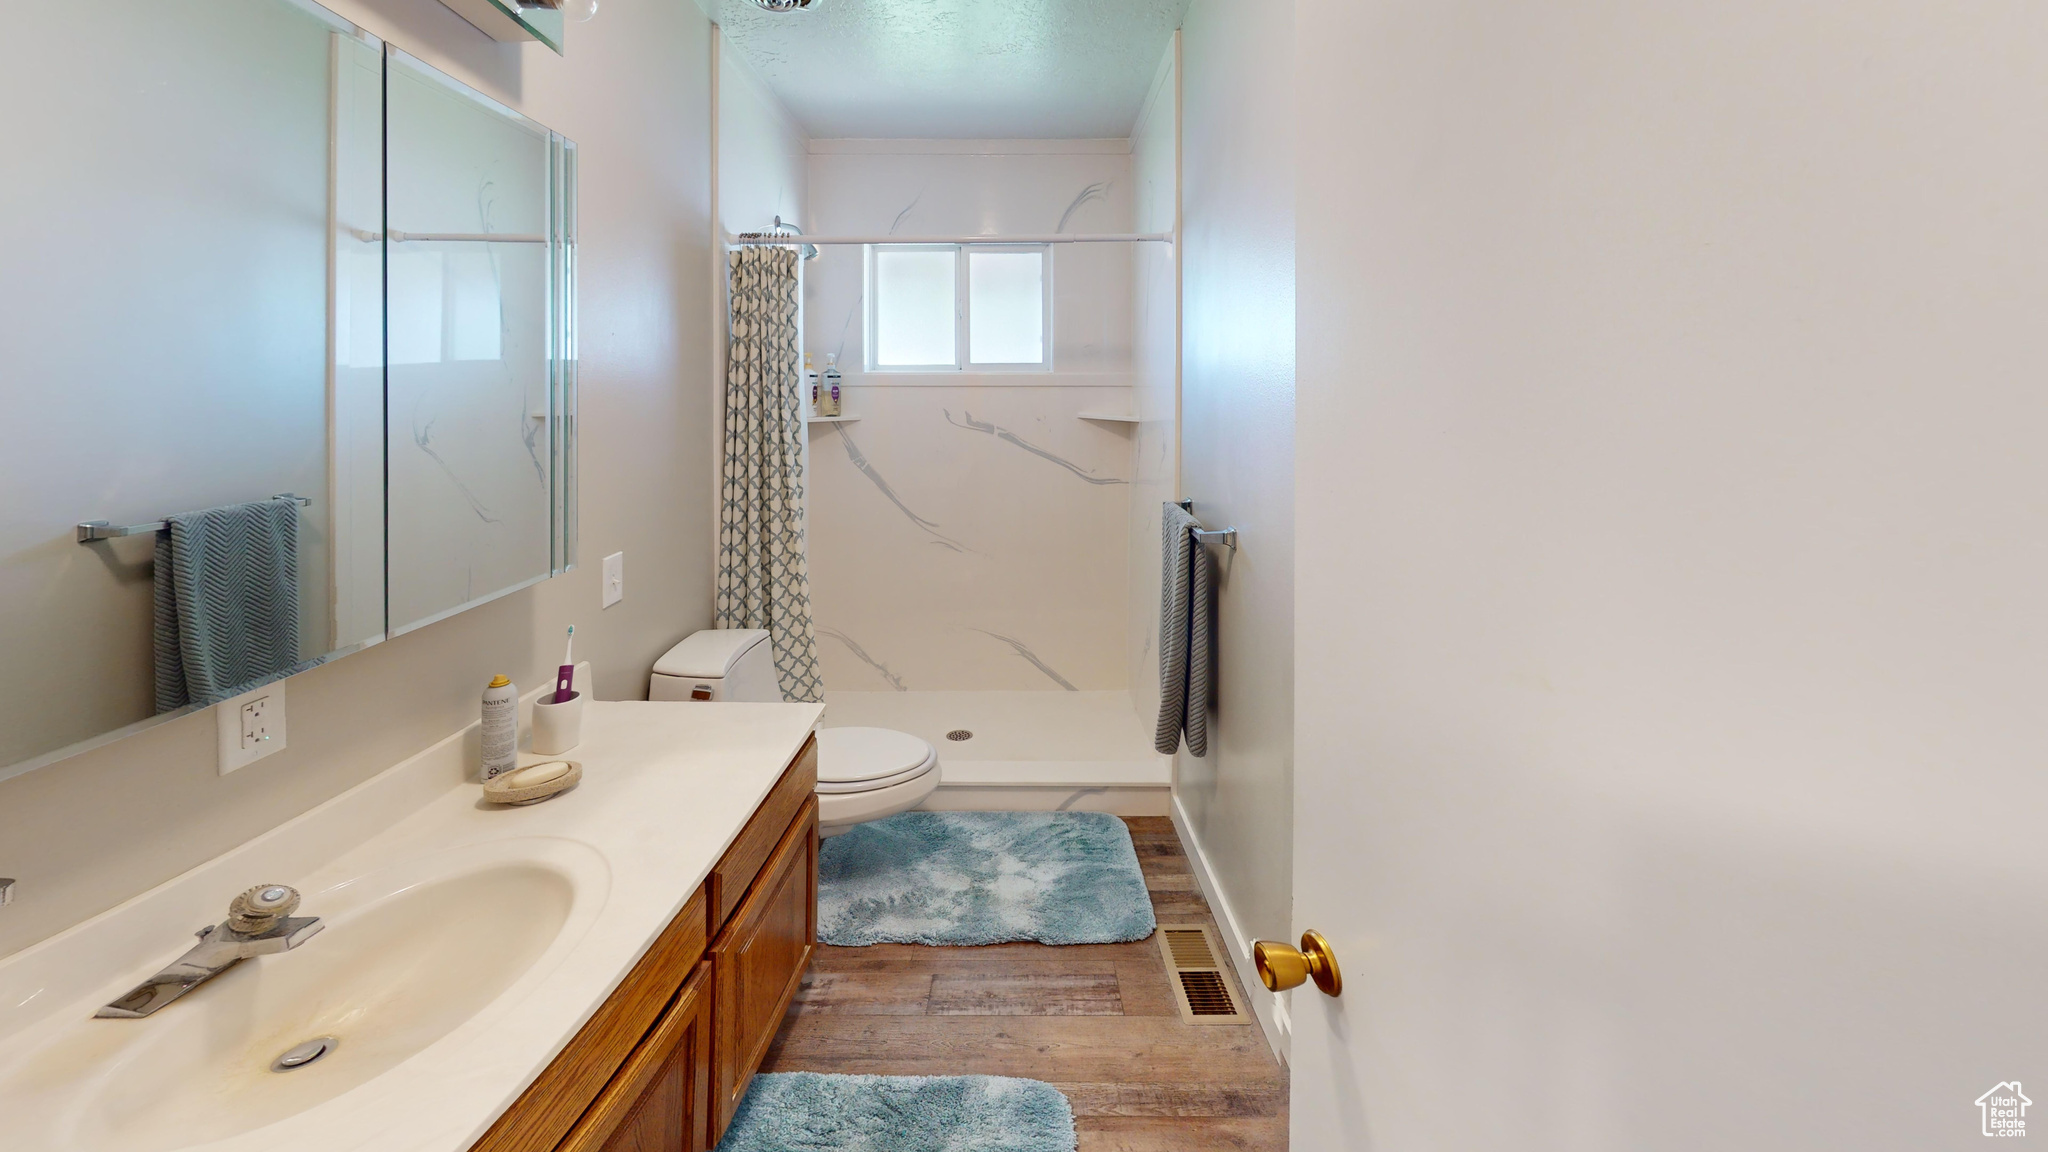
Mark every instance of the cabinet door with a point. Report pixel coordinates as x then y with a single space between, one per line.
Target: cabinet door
759 960
568 1090
660 1099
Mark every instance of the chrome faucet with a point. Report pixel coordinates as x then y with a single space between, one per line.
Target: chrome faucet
259 922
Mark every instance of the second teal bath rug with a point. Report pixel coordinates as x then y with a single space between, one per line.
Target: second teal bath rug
958 878
803 1111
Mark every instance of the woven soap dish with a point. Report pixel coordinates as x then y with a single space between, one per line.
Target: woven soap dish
533 783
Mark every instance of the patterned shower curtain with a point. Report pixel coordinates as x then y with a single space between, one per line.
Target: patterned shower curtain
763 576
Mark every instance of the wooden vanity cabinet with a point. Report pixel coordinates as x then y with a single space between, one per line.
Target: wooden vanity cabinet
658 1101
759 961
663 1063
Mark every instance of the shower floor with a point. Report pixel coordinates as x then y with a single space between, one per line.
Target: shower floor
1030 751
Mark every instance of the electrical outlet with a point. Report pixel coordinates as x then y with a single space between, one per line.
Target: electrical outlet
614 579
255 723
250 726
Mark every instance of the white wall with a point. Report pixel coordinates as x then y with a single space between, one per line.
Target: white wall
763 164
89 832
1671 641
1237 412
966 511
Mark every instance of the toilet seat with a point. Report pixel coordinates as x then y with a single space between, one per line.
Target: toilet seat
867 773
870 759
863 773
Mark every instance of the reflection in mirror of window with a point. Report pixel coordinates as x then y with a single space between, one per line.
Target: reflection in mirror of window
914 307
416 308
476 309
1006 307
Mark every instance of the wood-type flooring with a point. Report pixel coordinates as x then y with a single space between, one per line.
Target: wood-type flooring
1096 1020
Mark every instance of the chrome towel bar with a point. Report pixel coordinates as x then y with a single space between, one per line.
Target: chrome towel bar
747 239
1224 536
369 237
92 530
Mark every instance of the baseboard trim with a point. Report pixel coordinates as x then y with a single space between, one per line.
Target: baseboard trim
1268 1008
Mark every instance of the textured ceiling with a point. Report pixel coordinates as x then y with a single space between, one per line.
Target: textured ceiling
957 69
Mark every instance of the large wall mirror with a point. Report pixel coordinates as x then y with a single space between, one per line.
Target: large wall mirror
291 356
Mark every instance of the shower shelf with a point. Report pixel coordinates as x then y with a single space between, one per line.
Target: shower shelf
1111 417
830 419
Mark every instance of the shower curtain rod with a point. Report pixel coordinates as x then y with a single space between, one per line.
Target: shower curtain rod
757 239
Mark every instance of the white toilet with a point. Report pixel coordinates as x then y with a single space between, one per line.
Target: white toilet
863 773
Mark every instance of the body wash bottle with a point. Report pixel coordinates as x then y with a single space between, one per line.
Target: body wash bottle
811 386
829 391
501 727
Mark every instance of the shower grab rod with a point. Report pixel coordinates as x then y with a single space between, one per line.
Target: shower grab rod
91 530
1224 536
758 239
397 237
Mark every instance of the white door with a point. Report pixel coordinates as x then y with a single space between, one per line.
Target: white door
1672 658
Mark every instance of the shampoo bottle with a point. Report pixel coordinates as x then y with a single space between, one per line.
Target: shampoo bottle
811 385
829 392
501 727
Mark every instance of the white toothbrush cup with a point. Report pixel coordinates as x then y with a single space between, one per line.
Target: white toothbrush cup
557 727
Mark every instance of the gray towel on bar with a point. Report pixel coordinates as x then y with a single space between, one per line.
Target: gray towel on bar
1186 621
227 601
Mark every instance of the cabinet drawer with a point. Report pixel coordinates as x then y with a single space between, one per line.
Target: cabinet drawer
659 1100
553 1103
743 861
758 962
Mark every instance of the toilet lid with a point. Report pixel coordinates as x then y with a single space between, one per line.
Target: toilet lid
863 759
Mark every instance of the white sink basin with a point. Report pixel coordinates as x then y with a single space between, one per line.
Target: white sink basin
465 944
410 954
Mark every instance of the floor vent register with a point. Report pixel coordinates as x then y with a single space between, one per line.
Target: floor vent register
1200 988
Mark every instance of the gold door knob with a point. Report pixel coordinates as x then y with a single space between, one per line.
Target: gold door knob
1281 967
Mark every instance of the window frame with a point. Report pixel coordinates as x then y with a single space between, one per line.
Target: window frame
963 345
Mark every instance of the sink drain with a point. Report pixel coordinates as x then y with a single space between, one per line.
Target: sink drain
959 734
300 1055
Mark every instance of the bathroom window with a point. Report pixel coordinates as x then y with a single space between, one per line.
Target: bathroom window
1006 306
913 301
944 308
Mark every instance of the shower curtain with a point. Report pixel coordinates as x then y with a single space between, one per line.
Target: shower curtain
763 577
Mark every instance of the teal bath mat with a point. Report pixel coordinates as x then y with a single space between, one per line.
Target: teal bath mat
960 878
811 1111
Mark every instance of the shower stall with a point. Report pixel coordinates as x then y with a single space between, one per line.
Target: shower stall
983 511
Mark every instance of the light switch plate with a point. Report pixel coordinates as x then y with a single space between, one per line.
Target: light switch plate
614 578
250 726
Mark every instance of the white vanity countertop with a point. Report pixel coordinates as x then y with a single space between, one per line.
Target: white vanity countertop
666 788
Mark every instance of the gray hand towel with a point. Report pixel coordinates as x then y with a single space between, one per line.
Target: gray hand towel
1186 621
227 601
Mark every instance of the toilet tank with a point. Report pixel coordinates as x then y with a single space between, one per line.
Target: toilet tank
735 664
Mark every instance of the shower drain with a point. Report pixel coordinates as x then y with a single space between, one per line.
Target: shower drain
959 734
299 1055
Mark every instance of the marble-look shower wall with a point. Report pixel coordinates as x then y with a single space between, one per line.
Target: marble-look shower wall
970 531
1155 377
